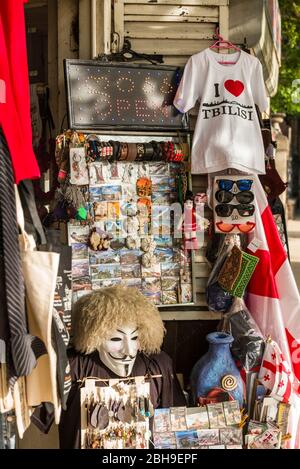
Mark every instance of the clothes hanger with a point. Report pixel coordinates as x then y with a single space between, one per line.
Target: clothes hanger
224 44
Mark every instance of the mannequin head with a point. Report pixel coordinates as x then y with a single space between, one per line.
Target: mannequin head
118 322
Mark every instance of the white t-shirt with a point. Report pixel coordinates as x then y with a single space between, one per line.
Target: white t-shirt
227 132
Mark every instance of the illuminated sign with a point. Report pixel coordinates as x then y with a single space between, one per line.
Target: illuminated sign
104 95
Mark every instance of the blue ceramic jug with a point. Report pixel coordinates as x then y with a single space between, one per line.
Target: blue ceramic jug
217 369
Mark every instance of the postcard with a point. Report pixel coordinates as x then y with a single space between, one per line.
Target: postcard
113 226
118 243
144 226
79 251
161 183
162 421
96 193
180 256
231 436
217 447
234 447
81 283
161 198
78 168
153 297
216 415
132 282
270 439
208 437
166 440
130 256
104 257
153 271
78 294
163 241
169 297
159 169
110 193
177 418
78 233
161 226
151 285
186 293
169 283
187 440
170 269
232 412
113 210
164 254
162 213
97 284
105 271
80 268
197 418
130 270
99 211
129 192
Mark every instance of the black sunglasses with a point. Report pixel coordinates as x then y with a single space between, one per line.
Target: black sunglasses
243 197
225 210
242 184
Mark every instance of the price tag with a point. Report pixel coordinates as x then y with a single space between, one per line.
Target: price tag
254 245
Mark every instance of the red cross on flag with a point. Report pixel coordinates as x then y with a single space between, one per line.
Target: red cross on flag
275 373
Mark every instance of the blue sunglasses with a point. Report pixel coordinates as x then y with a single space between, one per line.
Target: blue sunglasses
242 184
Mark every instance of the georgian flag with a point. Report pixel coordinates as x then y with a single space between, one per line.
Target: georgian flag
275 373
273 298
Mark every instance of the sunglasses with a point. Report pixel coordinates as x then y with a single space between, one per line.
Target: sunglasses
242 227
243 197
242 184
225 210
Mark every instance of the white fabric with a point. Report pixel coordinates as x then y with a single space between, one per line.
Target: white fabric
40 272
227 132
277 316
275 373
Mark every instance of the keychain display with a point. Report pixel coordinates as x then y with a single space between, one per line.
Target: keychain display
115 416
78 167
127 205
234 204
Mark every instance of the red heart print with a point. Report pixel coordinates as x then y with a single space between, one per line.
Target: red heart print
234 87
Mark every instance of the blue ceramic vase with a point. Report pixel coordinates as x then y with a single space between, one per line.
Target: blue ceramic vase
217 369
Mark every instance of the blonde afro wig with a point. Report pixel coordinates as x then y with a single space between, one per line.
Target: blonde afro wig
97 314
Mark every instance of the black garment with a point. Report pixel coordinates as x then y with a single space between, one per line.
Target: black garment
13 326
164 391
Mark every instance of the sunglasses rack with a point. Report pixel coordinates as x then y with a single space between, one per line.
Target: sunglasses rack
234 203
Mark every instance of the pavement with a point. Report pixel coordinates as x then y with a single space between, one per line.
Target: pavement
293 228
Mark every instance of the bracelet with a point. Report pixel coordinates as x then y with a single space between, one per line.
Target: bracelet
123 151
149 151
115 149
140 151
132 151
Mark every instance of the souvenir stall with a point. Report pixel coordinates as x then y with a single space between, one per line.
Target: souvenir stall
133 220
133 225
